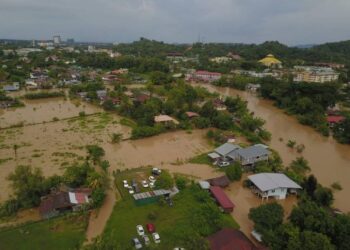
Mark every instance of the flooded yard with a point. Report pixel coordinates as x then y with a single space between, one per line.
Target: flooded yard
329 160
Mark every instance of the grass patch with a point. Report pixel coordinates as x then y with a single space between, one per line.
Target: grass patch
60 233
128 122
172 223
4 160
201 159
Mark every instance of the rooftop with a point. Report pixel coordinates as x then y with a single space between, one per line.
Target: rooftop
253 151
268 181
226 148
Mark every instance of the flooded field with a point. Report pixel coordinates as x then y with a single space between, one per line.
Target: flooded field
329 160
44 110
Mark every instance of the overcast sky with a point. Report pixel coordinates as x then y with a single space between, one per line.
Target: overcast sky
250 21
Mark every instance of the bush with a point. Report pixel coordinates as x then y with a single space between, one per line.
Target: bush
201 122
9 207
234 172
82 114
267 217
98 196
105 165
41 95
181 182
146 131
164 181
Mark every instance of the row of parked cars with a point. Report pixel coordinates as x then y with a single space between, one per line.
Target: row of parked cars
145 239
134 188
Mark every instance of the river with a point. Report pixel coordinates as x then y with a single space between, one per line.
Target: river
328 159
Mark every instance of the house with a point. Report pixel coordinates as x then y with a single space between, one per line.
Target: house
274 185
221 198
175 56
205 76
165 119
251 155
314 74
221 59
271 61
141 98
191 115
101 94
334 119
222 181
219 104
120 71
230 239
10 88
222 152
56 203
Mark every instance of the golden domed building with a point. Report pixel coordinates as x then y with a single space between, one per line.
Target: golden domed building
271 61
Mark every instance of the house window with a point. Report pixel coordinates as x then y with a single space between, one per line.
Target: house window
273 190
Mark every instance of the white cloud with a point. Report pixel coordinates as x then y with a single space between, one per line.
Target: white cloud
292 22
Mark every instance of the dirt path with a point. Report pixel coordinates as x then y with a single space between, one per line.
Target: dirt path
99 218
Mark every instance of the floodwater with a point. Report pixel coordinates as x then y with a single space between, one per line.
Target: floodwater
329 160
44 110
244 200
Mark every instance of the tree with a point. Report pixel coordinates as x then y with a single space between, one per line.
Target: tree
267 216
315 241
76 175
300 165
234 172
98 196
310 185
95 152
108 105
27 184
324 196
164 181
222 121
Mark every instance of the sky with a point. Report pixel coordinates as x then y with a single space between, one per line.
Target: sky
292 22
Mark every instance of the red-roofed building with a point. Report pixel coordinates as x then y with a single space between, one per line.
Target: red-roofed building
334 119
204 76
190 114
230 239
222 199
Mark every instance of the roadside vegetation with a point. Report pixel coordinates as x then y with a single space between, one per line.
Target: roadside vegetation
42 95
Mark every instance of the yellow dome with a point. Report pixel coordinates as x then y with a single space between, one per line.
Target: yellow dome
270 60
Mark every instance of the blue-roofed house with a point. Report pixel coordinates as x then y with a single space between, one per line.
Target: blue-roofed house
223 151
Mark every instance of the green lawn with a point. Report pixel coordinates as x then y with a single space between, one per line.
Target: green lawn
60 233
170 222
201 159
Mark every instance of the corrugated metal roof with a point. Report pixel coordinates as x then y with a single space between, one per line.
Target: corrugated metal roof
253 151
221 197
226 148
268 181
150 194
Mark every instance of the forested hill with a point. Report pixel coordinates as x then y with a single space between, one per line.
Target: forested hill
338 52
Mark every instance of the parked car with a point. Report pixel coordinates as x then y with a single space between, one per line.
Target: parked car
223 164
140 230
131 191
156 171
151 228
137 244
146 240
151 184
151 178
145 184
125 183
156 238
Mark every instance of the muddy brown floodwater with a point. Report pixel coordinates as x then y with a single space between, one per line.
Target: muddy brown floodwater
44 110
329 160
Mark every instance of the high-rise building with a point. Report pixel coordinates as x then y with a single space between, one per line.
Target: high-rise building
57 39
70 40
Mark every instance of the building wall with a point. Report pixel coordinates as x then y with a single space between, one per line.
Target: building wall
279 193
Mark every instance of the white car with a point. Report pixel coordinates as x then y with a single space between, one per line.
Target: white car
131 191
151 178
125 183
144 184
137 244
223 164
146 240
156 238
140 230
156 171
151 184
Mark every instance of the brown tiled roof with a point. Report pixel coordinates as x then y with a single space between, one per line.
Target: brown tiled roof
222 181
230 239
54 201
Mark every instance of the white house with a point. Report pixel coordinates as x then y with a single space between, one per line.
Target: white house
274 185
